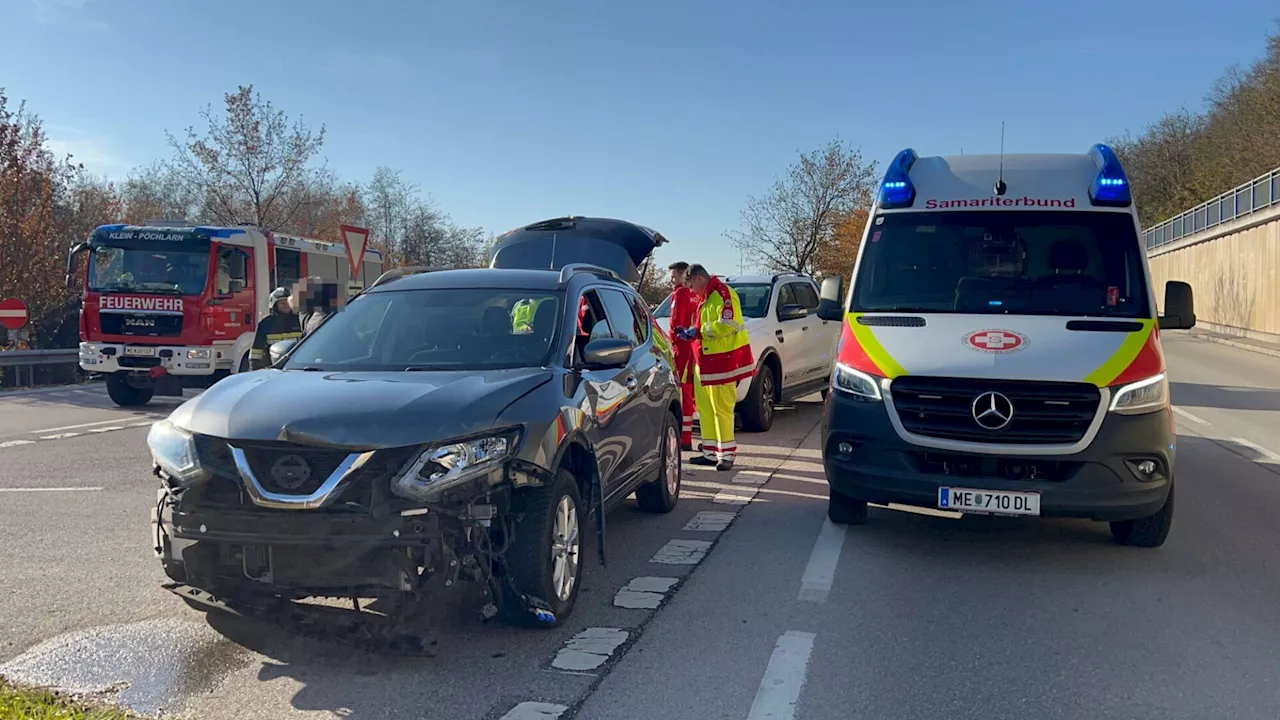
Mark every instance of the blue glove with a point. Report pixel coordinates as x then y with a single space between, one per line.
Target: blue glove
687 333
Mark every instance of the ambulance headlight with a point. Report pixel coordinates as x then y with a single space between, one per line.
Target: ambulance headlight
1141 397
855 383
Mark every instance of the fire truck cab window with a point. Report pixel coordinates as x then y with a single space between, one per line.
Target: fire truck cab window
225 266
142 269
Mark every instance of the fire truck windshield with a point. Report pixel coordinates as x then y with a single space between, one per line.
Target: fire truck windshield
170 271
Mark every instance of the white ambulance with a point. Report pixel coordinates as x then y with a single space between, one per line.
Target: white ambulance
1000 349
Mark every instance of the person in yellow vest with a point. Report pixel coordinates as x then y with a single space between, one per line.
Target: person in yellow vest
723 359
522 314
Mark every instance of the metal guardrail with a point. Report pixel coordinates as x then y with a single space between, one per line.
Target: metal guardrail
24 358
1261 193
28 359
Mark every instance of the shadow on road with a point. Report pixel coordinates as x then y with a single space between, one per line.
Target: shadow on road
1224 397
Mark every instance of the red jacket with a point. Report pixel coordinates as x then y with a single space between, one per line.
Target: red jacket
684 313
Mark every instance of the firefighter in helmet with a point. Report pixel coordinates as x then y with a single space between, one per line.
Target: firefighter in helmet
281 323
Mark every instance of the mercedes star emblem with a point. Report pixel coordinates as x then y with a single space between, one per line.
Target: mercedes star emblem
992 410
290 472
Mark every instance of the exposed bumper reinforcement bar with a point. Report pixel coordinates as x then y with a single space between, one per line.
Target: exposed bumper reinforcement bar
365 630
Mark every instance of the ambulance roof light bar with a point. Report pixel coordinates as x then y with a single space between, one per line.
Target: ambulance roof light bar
1111 187
897 191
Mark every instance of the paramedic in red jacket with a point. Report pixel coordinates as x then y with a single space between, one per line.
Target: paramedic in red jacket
684 314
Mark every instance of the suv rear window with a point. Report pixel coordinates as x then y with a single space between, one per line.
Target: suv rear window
471 329
1006 262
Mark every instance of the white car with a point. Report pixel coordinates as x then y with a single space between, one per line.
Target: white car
794 349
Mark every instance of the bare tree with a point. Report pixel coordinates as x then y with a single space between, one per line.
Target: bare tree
251 165
785 229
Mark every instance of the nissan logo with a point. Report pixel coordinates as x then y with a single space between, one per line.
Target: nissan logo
290 472
992 410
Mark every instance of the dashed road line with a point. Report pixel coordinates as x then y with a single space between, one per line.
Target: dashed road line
589 649
75 427
16 443
110 428
820 573
783 678
1190 416
49 489
1265 453
710 521
61 436
735 495
535 711
681 552
644 593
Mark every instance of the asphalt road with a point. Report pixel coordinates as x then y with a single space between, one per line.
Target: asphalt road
910 616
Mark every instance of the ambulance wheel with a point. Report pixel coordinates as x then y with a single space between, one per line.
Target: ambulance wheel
1148 532
757 409
844 510
120 392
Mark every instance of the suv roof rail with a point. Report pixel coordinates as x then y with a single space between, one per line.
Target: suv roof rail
400 272
572 269
781 275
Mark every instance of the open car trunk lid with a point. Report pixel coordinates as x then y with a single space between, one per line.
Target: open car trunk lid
616 245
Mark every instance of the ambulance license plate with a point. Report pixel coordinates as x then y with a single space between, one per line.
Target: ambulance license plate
137 351
988 502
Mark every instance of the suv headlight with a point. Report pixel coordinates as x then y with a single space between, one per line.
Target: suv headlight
174 450
856 383
447 465
1143 396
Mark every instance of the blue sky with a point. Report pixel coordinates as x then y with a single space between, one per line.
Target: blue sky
669 113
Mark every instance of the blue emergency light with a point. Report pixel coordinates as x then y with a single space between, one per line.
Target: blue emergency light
1111 187
897 191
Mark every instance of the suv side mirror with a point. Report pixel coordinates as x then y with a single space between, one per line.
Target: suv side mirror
605 353
1179 307
831 299
280 349
792 312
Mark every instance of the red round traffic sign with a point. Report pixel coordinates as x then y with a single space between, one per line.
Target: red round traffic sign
13 313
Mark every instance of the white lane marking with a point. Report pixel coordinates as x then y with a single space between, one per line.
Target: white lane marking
16 443
106 429
820 573
681 552
710 521
75 427
61 436
50 489
148 423
783 678
1193 418
735 495
1269 455
589 649
535 711
644 593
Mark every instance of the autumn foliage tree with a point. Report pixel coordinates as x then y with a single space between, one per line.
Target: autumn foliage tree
803 223
1186 158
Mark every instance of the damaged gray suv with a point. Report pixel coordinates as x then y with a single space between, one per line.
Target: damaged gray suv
446 426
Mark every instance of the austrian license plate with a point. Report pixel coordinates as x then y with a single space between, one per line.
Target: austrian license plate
989 502
138 351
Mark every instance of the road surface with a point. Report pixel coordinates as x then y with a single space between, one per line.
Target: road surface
781 615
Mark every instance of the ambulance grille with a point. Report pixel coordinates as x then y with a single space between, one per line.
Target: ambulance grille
1044 413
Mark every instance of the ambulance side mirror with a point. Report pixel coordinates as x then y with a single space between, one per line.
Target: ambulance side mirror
1179 307
831 299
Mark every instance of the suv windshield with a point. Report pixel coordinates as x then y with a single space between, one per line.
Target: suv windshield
140 270
754 298
1015 262
448 329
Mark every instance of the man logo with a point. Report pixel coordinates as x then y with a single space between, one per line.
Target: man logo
992 410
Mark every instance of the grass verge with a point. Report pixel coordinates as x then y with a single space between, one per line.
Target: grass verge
26 704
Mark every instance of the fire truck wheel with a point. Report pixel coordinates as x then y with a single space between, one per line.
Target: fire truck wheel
125 396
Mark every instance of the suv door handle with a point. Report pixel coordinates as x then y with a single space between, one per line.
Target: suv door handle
804 329
779 334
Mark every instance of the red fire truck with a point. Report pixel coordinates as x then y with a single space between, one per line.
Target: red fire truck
168 306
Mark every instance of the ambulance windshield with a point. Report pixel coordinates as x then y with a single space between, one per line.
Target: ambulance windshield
1003 262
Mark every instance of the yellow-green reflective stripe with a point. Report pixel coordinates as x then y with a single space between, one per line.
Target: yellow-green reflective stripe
866 337
1123 357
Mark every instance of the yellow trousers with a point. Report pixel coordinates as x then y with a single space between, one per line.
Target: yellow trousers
715 419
